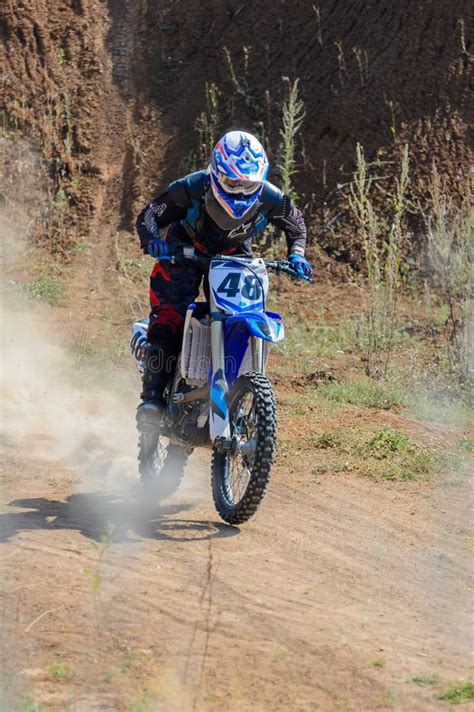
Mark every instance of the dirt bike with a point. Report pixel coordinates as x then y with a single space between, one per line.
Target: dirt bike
219 395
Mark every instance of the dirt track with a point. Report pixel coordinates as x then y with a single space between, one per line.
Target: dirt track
334 597
292 612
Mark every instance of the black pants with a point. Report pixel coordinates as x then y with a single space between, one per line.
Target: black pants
172 288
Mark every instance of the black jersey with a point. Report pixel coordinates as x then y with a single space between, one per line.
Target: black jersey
184 202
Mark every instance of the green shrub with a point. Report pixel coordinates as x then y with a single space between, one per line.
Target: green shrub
462 692
364 392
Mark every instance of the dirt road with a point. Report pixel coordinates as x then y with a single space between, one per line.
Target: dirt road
334 597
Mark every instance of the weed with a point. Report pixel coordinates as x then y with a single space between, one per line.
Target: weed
49 286
142 705
80 349
462 35
363 392
466 443
462 692
207 124
319 33
278 657
386 441
381 242
450 255
341 62
61 672
333 438
293 115
382 454
131 660
378 663
29 706
393 117
95 578
241 85
362 64
59 61
426 679
332 467
208 697
79 247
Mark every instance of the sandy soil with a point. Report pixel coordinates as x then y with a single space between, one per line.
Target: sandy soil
334 597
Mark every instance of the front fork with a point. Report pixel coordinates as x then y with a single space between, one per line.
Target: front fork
219 391
219 412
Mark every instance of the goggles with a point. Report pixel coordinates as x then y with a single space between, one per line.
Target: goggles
247 187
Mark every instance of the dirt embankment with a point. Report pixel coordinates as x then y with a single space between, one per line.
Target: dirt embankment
110 93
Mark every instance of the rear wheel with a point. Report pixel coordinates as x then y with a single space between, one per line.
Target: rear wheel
160 464
240 477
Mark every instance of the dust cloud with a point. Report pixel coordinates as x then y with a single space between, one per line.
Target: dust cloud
52 408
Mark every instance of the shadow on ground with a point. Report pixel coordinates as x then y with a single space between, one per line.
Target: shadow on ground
95 515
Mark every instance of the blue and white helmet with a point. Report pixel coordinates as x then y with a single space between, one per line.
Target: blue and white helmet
239 166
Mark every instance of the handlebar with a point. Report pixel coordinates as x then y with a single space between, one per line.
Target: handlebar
189 254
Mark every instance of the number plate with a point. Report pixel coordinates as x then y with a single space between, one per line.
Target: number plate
237 287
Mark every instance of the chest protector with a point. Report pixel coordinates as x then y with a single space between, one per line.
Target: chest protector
207 222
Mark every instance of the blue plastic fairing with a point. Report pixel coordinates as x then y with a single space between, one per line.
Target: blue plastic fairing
264 325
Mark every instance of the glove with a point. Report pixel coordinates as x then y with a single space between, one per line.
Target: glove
158 248
300 265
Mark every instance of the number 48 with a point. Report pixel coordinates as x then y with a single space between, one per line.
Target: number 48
251 288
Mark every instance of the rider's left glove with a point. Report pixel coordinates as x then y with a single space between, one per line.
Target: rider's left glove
300 265
158 248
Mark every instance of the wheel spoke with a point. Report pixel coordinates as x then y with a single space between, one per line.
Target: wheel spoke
239 467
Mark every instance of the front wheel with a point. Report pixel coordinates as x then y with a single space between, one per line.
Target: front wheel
240 477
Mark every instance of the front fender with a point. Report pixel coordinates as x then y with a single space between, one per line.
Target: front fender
264 325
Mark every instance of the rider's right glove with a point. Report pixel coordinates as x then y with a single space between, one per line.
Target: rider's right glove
158 248
301 266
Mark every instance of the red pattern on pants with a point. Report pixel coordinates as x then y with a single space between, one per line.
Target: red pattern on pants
172 289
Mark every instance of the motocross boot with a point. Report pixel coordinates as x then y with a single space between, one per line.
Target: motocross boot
159 365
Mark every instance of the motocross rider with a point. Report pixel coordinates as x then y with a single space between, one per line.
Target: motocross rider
218 211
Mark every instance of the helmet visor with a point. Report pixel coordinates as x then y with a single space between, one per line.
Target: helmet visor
247 187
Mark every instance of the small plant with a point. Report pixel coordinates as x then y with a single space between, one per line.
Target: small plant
95 578
451 256
426 679
378 663
58 61
142 705
393 117
319 34
381 241
387 441
241 86
383 454
278 657
466 443
49 286
293 115
60 671
341 62
462 35
362 60
208 123
363 392
131 660
462 692
29 706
